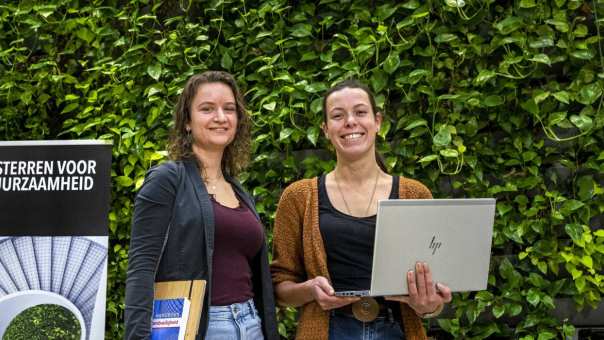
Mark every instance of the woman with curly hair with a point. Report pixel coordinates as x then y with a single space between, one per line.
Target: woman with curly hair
192 220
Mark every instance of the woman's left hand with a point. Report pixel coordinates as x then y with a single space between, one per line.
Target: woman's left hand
424 296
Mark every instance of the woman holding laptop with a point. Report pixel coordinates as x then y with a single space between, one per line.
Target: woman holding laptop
325 229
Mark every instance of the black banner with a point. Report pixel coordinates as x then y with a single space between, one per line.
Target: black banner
54 188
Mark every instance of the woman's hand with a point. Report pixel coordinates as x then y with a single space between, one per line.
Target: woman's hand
424 296
323 293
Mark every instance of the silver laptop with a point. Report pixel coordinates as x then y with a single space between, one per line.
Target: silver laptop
453 236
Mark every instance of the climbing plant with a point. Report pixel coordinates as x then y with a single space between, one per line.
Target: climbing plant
482 98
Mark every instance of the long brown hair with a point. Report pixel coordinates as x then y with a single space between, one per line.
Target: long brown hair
237 153
355 84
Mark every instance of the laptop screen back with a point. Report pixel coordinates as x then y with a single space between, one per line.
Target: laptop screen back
453 236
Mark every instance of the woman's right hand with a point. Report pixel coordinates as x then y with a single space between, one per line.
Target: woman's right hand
323 293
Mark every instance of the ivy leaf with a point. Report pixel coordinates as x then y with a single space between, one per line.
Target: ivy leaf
447 325
583 54
384 128
70 107
586 186
540 95
493 100
562 96
560 25
416 75
124 181
407 21
455 3
301 30
285 133
378 80
85 34
484 76
312 133
383 12
541 58
533 297
541 42
555 118
527 3
139 183
71 97
530 106
315 87
226 62
427 159
570 206
421 12
589 94
154 71
583 122
580 284
416 123
509 25
546 335
270 106
503 208
443 137
574 230
449 153
391 63
445 37
498 311
316 105
513 309
587 261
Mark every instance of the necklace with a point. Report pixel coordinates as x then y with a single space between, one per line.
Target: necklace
211 183
335 178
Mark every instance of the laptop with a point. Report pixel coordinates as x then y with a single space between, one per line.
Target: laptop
453 236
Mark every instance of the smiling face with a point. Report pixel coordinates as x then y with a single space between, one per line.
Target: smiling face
213 117
351 125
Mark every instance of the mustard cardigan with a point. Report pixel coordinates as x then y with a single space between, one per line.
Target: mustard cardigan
299 254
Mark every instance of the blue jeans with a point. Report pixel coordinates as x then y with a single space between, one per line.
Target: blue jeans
239 321
346 327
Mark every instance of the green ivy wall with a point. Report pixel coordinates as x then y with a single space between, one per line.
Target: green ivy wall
482 99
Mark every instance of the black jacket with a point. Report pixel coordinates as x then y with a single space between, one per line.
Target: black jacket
174 196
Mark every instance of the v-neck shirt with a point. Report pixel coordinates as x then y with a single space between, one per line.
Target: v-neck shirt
348 242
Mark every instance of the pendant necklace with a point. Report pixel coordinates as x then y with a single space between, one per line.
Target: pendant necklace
377 175
211 184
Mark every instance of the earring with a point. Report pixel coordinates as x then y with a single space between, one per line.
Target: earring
189 137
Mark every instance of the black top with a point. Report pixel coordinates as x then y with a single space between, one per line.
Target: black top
348 242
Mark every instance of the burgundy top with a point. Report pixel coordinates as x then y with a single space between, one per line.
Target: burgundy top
237 239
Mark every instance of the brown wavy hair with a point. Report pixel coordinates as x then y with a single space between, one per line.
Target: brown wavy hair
237 154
